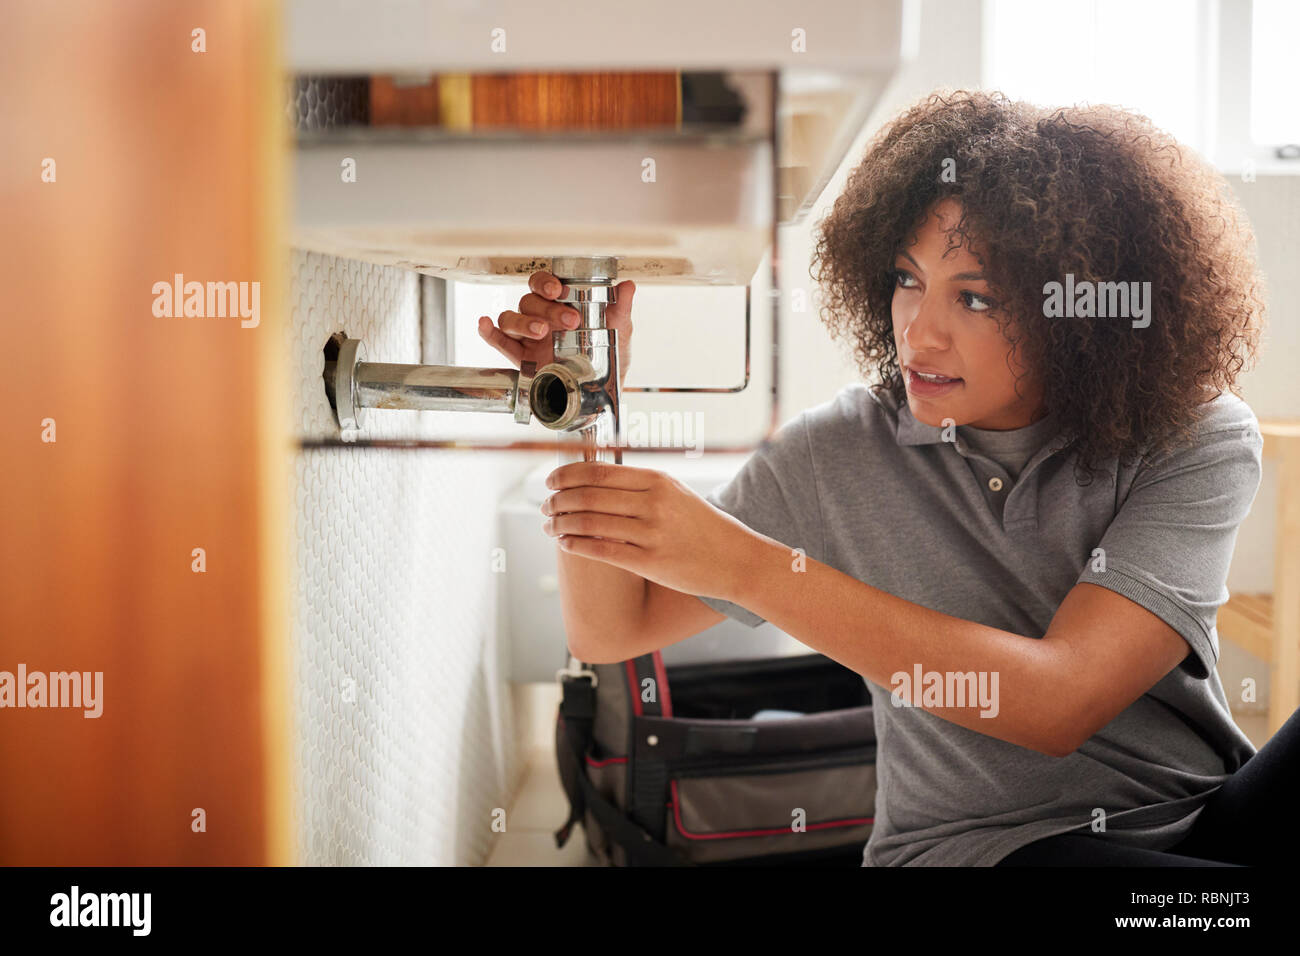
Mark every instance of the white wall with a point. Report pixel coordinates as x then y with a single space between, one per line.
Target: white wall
405 737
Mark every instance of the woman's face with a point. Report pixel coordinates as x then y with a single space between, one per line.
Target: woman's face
956 364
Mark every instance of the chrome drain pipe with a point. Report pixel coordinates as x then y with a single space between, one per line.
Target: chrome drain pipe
579 392
354 385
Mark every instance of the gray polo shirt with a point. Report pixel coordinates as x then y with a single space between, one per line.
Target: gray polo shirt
861 485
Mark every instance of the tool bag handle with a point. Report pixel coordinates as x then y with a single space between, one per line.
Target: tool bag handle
577 715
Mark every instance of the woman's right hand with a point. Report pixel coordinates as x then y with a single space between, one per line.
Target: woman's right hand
515 337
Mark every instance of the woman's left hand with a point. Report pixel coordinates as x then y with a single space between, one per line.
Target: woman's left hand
646 522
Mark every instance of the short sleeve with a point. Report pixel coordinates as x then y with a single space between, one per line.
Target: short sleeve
775 494
1169 546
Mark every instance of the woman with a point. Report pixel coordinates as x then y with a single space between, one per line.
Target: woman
1019 533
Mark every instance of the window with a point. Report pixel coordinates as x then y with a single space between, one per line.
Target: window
1139 54
1219 75
1274 112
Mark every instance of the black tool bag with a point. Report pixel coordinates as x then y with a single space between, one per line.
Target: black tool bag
670 767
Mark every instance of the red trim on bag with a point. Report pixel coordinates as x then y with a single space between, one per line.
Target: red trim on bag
662 680
773 831
607 760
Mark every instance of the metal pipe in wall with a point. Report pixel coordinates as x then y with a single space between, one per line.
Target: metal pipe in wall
436 387
579 392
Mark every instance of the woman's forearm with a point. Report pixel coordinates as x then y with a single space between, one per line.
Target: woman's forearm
1008 681
600 602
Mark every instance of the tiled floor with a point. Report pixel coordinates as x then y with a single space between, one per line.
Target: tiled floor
541 808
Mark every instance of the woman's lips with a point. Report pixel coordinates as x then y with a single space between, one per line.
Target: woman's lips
928 387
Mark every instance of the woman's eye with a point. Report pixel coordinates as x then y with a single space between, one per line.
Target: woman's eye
904 279
976 302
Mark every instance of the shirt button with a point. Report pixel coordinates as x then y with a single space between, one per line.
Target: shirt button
995 484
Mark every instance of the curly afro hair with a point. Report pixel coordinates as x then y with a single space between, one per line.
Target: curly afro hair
1093 191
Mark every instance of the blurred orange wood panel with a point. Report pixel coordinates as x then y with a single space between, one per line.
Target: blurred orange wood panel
171 433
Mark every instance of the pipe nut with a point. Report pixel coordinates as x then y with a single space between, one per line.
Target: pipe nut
569 394
600 270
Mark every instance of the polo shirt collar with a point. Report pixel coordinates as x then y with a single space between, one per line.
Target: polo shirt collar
911 431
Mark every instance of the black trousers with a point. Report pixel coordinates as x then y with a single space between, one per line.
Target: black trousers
1249 821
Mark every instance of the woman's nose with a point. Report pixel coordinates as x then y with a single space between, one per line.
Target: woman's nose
924 329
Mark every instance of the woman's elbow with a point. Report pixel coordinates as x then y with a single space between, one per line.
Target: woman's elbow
591 651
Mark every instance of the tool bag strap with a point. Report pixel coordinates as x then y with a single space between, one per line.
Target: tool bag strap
577 715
